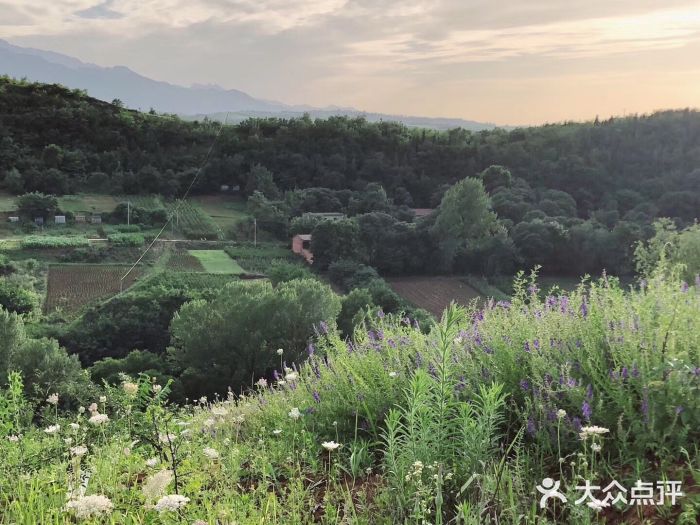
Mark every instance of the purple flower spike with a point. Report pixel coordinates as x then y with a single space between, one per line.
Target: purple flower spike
586 411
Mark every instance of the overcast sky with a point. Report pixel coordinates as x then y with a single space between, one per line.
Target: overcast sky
503 61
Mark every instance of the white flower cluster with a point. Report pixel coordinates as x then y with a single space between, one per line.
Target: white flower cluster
211 453
592 431
98 419
294 413
330 446
171 503
78 451
52 399
155 485
90 506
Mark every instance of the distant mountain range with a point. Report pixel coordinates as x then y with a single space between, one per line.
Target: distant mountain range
197 101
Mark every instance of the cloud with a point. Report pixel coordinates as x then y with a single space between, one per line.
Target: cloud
101 10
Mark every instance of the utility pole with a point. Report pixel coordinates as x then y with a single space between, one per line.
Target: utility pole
255 232
128 212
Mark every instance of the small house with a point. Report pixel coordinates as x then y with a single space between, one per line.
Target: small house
13 219
39 221
80 218
225 187
96 219
59 219
301 244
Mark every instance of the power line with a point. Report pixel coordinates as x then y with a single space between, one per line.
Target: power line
179 203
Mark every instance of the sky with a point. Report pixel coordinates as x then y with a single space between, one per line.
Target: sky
511 62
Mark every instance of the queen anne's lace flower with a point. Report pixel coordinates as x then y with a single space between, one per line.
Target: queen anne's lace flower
587 432
211 453
171 503
98 419
155 485
52 399
130 388
330 446
152 462
294 413
78 451
52 429
90 506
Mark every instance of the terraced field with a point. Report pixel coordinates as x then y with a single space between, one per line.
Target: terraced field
434 293
217 261
72 286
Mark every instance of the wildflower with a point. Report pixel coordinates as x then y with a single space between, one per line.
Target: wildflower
209 422
595 447
281 382
74 426
127 451
330 446
211 453
98 419
393 374
130 388
171 503
157 389
78 451
311 349
155 484
679 409
152 462
219 411
166 438
52 429
203 400
294 413
92 408
103 399
316 396
280 351
277 432
262 382
586 410
323 327
291 376
13 439
81 410
90 506
52 399
592 431
561 413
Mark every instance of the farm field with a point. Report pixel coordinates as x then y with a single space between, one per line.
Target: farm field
72 286
88 203
181 260
224 211
258 259
193 222
433 294
217 261
7 202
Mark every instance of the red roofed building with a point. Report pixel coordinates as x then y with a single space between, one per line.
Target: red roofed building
301 244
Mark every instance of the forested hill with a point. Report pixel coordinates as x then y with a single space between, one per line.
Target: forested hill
612 164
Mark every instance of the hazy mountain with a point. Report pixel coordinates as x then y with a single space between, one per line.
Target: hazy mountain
197 101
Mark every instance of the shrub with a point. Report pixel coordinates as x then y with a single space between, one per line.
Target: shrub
16 298
282 271
126 239
46 241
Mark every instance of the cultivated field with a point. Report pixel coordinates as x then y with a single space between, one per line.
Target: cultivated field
181 260
224 211
217 261
72 286
434 293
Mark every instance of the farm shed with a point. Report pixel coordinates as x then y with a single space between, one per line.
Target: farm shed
301 244
96 219
39 221
13 219
60 219
80 218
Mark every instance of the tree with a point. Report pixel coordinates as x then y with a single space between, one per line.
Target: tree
334 240
495 177
464 217
353 307
13 181
16 298
261 179
35 204
232 339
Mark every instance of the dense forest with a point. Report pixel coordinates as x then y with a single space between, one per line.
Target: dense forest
575 197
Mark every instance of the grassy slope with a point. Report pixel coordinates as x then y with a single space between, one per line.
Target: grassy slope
217 261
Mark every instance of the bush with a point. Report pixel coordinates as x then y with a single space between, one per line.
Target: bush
126 239
46 241
128 228
15 298
282 271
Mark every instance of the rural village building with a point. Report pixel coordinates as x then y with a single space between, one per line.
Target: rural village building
301 245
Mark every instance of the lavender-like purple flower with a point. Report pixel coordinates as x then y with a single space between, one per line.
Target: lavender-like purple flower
589 392
624 373
310 349
586 411
684 287
526 347
536 344
679 409
323 327
635 371
380 313
645 406
576 423
525 385
533 289
317 396
531 428
584 309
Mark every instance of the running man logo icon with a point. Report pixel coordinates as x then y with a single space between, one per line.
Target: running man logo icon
549 489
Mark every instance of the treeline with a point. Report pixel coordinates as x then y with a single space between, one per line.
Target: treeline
578 194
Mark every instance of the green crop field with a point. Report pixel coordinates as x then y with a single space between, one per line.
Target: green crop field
224 211
7 202
88 203
217 261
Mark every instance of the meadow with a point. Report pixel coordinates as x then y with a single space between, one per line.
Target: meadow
456 425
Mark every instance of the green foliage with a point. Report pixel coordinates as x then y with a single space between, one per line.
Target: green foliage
36 204
126 239
232 338
46 241
671 246
353 308
282 272
16 298
136 362
334 240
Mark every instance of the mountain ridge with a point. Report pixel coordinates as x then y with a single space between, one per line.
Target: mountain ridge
194 102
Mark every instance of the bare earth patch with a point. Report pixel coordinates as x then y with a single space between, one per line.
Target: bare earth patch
433 293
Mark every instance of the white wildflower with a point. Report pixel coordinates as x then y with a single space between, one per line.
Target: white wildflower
68 440
592 431
330 446
52 399
151 462
595 447
219 411
52 429
130 388
209 422
157 389
98 419
561 413
281 382
171 503
211 453
81 410
74 426
92 408
90 506
239 419
294 413
262 382
155 485
277 432
166 438
393 374
78 451
280 351
13 439
103 399
203 400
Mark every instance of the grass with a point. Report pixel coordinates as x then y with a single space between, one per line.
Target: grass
88 203
217 261
7 201
224 211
